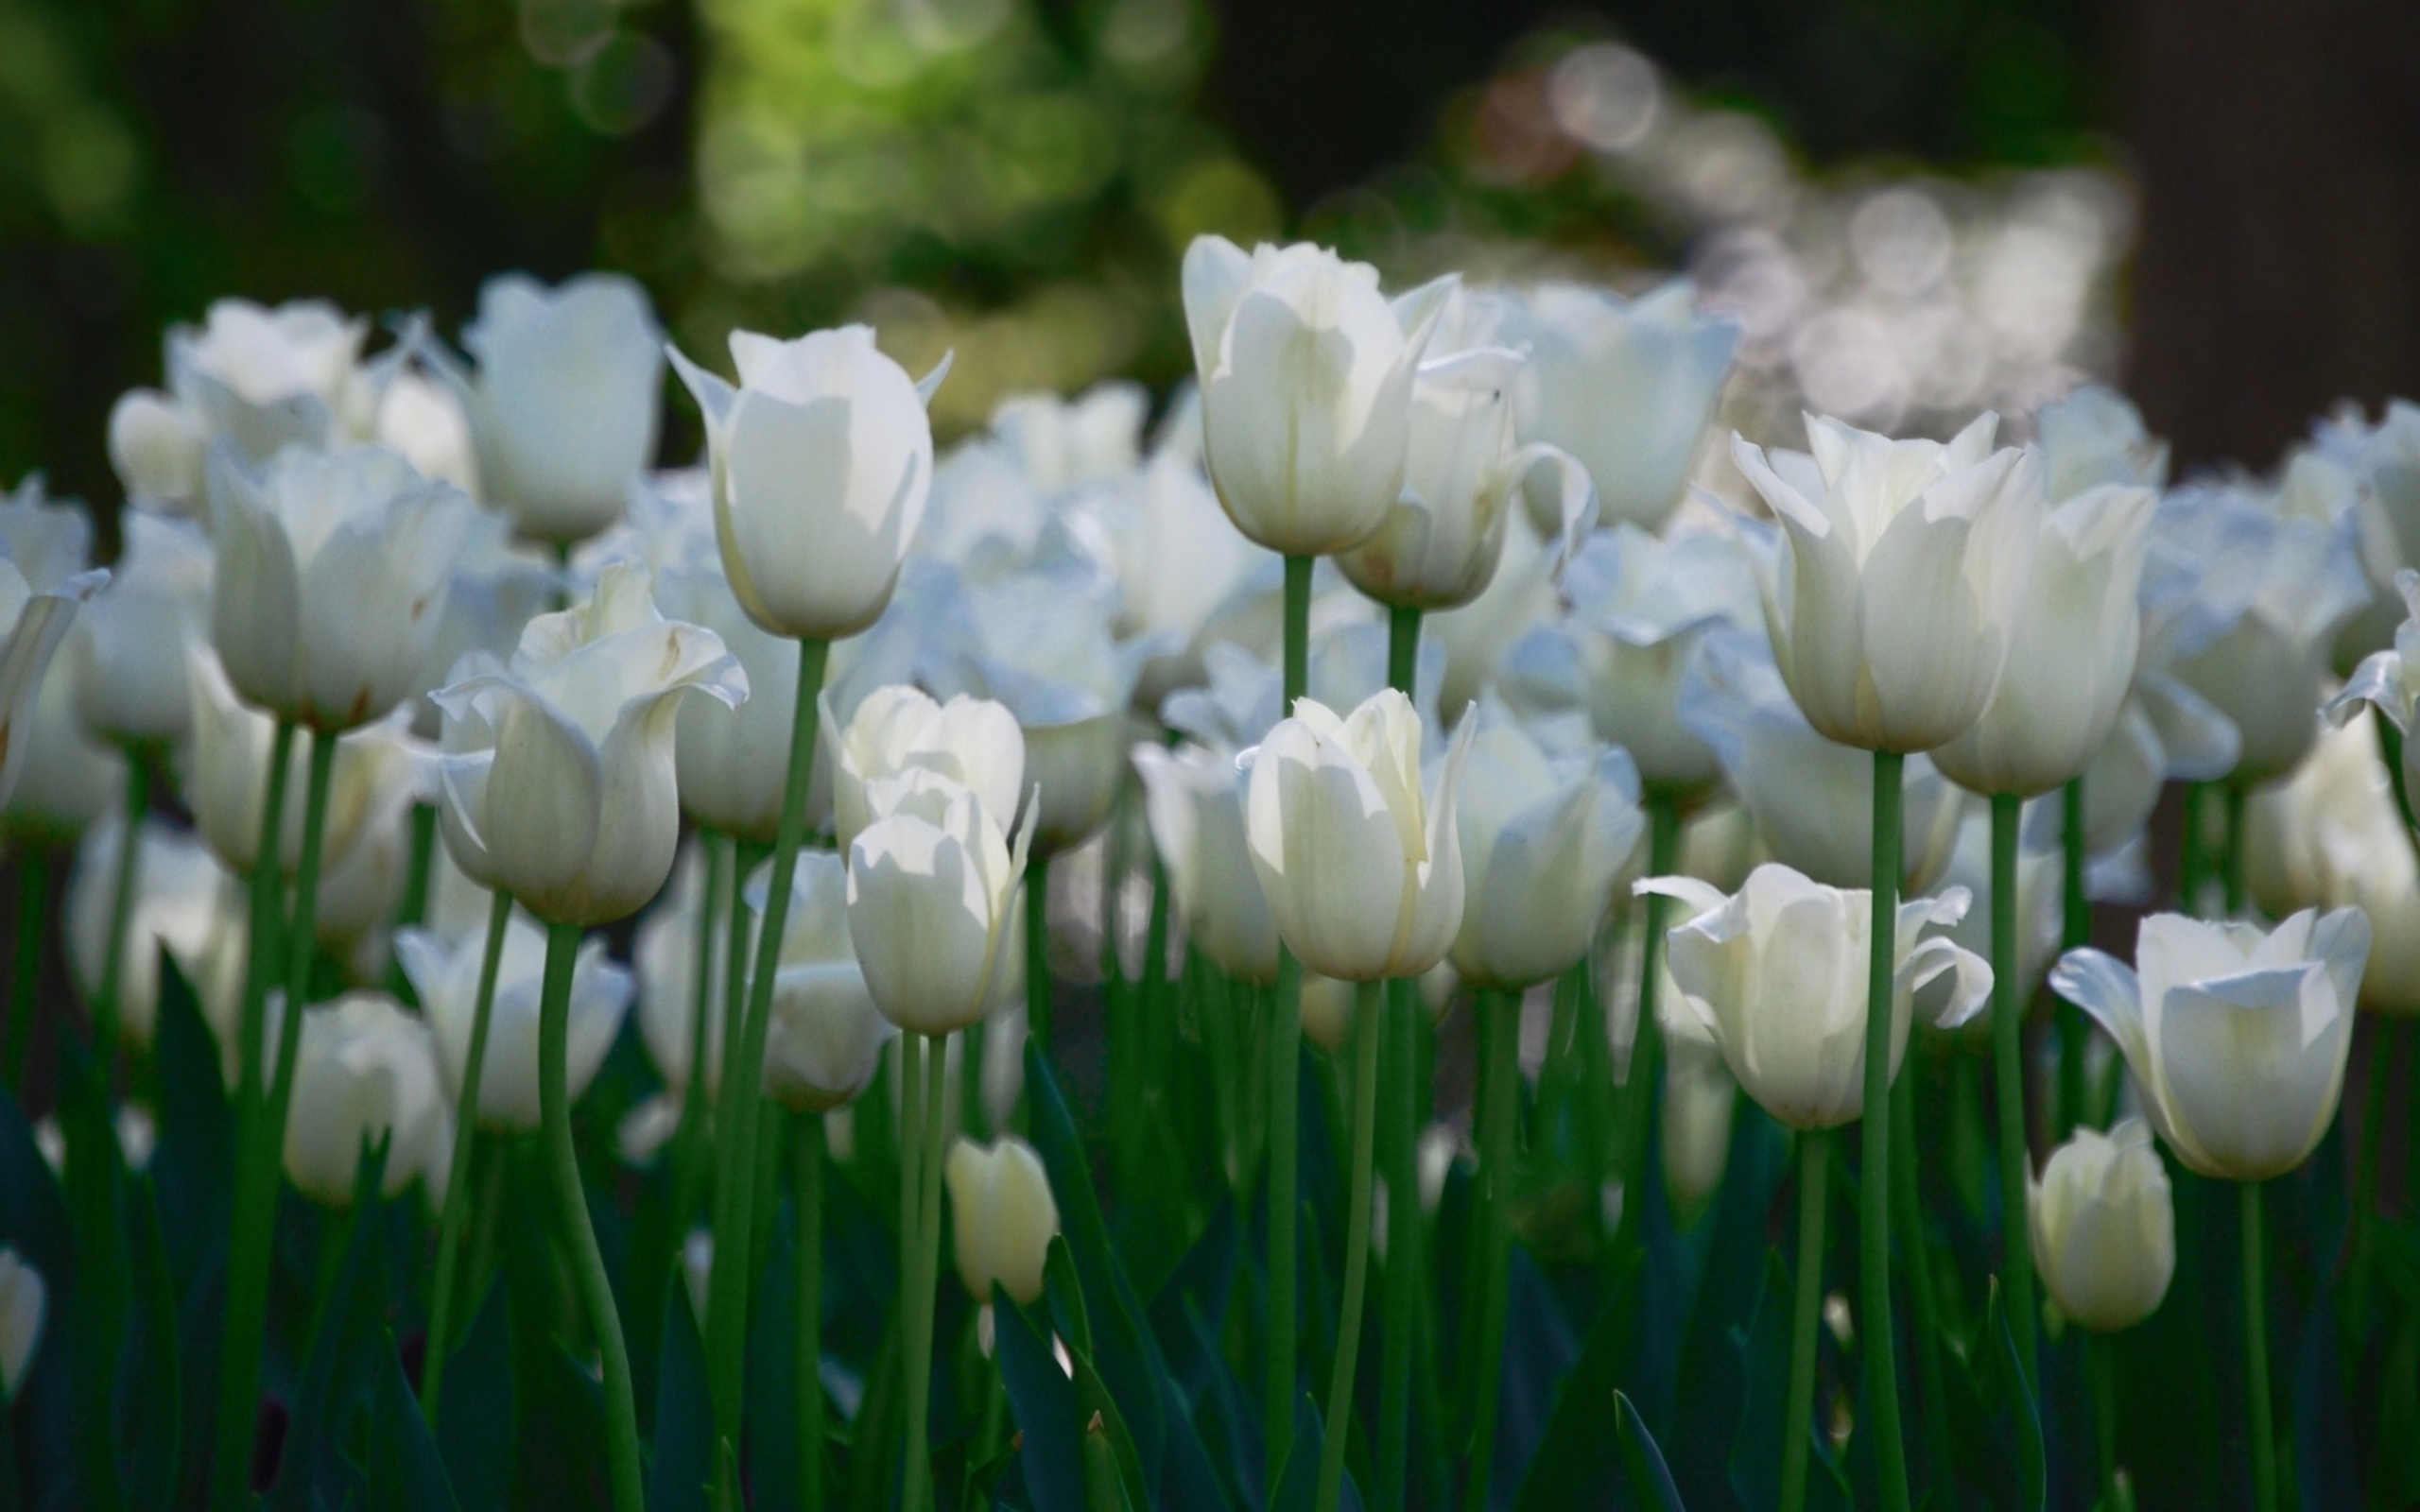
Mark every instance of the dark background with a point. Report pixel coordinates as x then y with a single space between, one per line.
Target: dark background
390 154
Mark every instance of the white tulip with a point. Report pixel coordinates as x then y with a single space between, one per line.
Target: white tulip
2236 1037
44 548
422 419
65 779
1626 386
1698 1093
933 888
898 730
1894 584
1306 377
666 958
1064 445
131 645
2390 682
825 1040
733 762
822 464
1194 797
499 586
1777 973
264 379
2105 1228
176 908
157 446
558 771
1178 558
1004 1216
445 975
1360 861
1245 696
23 1302
2093 437
1475 638
364 1069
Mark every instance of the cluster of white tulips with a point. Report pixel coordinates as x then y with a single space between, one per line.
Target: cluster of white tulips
1405 665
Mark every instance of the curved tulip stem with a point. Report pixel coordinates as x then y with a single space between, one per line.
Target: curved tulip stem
2255 1352
2100 1366
1499 1110
742 1086
1338 1428
2075 1033
572 1223
1798 1419
25 964
807 1150
1037 951
1873 1237
2007 1069
130 865
458 1185
1647 1042
1399 1088
922 1272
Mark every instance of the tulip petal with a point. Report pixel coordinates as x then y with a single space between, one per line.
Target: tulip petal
1217 273
1330 857
2107 988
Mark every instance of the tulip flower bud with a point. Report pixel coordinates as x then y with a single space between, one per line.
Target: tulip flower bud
933 885
1776 972
1893 582
826 1037
44 548
2236 1037
263 380
23 1300
1362 868
157 448
559 778
364 1069
445 975
2104 1229
1004 1215
822 466
177 888
898 730
1194 797
1307 375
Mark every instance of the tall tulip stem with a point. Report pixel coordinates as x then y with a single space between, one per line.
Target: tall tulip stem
1398 1085
807 1150
458 1185
301 939
2075 1033
2237 852
106 1001
24 963
1874 1198
2099 1369
572 1223
742 1099
1285 1052
1037 951
720 855
2008 1071
1499 1109
1338 1428
419 867
1798 1419
921 1272
2255 1352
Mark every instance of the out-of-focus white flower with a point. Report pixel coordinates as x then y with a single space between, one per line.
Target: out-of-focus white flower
157 446
2105 1228
1178 559
2236 1037
1894 583
1476 638
1004 1216
2092 436
24 1301
422 419
364 1069
666 958
2040 918
2330 835
1194 797
44 548
177 886
826 1036
265 379
499 586
898 730
446 977
733 762
2390 682
1699 1092
65 779
131 645
1064 445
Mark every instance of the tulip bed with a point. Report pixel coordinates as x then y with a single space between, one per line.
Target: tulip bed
1324 959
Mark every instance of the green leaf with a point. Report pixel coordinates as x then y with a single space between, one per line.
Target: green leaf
1763 1347
1043 1401
1104 1482
407 1473
345 1341
2018 1399
1574 1451
475 1423
1649 1479
1710 1389
193 1164
684 1430
157 1399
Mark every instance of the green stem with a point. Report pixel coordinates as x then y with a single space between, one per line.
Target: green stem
458 1186
922 1272
301 941
572 1221
2099 1366
1285 1052
2075 1033
2365 1172
106 1001
1908 1215
1798 1419
421 866
741 1092
1647 1042
1037 951
1338 1429
1874 1239
2007 1069
1499 1110
1297 649
2193 863
1403 648
2255 1354
24 963
254 1211
690 1144
808 1152
2237 850
1399 1086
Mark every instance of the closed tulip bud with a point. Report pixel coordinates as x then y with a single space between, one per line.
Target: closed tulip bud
1194 797
826 1037
1543 841
156 447
2072 660
1776 972
1004 1215
897 729
2236 1037
1699 1092
177 886
365 1070
332 571
564 409
445 975
1626 386
24 1301
131 645
558 769
44 548
264 380
1306 376
1361 863
823 465
1894 584
933 884
2105 1228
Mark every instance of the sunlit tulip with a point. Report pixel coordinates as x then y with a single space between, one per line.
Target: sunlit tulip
177 884
933 885
24 1301
826 1036
1776 972
1699 1092
1626 386
822 464
563 406
131 644
264 379
1543 841
1894 582
446 978
898 730
1194 797
2236 1037
1306 377
332 571
365 1070
1360 861
157 446
2105 1228
558 769
2072 659
1004 1215
44 548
